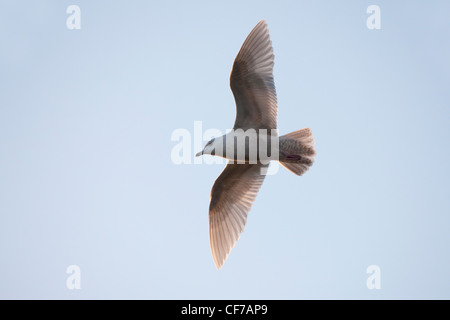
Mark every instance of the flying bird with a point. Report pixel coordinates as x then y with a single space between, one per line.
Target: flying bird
235 190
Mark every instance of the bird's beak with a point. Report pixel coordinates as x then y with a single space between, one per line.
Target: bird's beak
199 154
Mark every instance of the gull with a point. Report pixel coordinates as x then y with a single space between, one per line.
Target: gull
235 190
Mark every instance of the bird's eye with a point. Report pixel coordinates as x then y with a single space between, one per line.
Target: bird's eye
210 142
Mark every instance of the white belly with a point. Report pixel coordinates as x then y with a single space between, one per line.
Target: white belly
249 146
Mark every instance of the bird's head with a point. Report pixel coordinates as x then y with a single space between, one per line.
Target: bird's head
208 149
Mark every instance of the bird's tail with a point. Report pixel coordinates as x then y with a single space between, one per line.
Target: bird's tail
297 151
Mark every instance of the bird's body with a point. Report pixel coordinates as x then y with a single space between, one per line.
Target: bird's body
251 145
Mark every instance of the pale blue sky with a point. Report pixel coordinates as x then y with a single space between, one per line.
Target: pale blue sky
86 176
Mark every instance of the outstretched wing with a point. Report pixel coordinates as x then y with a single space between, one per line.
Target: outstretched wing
252 82
232 197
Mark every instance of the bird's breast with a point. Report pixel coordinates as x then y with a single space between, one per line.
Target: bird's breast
250 146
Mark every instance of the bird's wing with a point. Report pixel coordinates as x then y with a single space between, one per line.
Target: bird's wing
232 196
252 82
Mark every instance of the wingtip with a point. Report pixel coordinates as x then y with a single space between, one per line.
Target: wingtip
262 22
218 264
